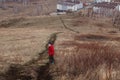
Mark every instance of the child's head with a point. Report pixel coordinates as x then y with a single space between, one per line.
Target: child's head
50 43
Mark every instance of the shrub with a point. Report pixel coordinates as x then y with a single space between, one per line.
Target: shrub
86 57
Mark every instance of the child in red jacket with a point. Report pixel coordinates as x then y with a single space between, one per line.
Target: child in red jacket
51 52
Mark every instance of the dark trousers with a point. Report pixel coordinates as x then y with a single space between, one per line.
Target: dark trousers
51 59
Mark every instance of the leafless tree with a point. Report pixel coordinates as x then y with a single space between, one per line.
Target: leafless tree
26 2
3 5
15 10
39 9
90 12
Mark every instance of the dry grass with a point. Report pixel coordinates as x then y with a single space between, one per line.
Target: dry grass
86 60
93 25
96 37
21 45
88 55
10 22
23 39
32 22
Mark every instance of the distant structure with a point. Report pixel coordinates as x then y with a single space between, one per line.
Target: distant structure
116 0
69 5
99 1
106 8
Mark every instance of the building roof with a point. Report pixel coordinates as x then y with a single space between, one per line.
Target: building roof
110 5
68 2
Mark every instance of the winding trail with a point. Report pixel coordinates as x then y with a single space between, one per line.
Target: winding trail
66 27
36 69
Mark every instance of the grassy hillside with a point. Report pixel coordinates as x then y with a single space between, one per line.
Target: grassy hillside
22 38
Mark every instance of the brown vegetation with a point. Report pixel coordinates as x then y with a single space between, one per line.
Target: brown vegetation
96 37
21 39
86 60
18 46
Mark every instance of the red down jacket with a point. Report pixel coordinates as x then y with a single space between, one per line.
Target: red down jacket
51 50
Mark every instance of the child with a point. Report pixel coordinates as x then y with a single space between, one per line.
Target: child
51 52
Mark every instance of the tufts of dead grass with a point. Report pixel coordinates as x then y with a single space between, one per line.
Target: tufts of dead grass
85 61
81 21
96 37
10 22
20 45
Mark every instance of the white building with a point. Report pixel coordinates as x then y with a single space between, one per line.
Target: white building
69 5
118 7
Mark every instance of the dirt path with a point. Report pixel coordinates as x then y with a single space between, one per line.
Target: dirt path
66 27
36 69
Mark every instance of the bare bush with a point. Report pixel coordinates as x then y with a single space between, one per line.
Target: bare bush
116 19
85 58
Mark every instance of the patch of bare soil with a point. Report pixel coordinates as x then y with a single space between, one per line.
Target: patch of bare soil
36 69
11 22
80 22
95 37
